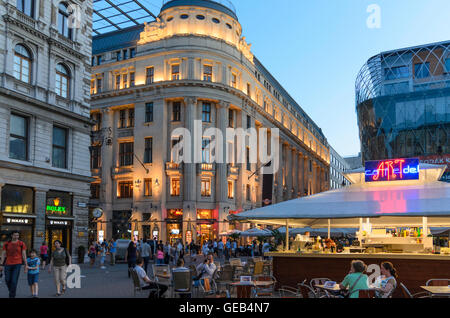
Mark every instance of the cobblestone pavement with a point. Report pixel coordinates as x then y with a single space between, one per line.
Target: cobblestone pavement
112 282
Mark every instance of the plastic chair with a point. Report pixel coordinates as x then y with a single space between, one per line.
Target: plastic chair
258 269
181 283
408 294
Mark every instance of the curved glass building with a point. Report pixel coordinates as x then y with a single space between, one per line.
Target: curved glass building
403 104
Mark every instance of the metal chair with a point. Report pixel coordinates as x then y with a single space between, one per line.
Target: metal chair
306 291
265 291
224 278
288 292
319 281
137 283
408 294
438 282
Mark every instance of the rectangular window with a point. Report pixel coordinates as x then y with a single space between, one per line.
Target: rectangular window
207 73
96 157
132 52
126 154
59 151
206 187
123 118
148 153
175 72
206 112
310 165
26 6
447 65
125 81
95 191
99 85
175 187
149 75
175 153
18 138
149 112
396 72
97 117
247 158
249 90
99 60
125 54
206 154
118 56
230 118
234 80
130 118
118 82
176 111
132 79
249 122
92 87
248 192
125 190
422 70
148 191
230 190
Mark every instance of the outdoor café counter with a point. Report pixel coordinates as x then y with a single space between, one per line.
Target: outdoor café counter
414 270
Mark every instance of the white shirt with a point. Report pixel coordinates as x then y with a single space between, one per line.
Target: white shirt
207 269
141 274
145 250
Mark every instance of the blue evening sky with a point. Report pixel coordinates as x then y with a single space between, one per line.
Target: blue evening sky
315 49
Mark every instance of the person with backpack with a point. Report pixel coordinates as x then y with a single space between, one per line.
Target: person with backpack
59 261
14 254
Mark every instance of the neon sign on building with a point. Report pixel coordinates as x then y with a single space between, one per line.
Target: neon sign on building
392 170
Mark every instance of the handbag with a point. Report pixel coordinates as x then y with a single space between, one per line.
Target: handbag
346 293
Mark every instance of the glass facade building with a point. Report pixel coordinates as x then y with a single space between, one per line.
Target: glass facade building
403 105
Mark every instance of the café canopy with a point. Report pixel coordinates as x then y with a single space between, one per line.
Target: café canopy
394 203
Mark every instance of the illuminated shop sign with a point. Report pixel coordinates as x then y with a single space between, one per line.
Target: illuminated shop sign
18 221
54 222
55 208
392 170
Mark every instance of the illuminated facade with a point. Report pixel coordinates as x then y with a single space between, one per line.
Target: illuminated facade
403 105
192 63
44 123
338 167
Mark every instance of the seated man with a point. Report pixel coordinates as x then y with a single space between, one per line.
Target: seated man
146 283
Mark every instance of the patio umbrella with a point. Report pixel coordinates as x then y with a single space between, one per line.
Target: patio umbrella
229 233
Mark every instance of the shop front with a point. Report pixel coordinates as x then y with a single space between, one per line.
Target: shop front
17 214
121 225
174 223
207 226
59 219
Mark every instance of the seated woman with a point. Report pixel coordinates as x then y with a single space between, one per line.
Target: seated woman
388 280
356 279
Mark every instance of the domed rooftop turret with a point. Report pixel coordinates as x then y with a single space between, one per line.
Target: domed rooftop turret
224 6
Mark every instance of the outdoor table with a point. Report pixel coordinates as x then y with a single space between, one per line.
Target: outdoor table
437 290
244 290
335 290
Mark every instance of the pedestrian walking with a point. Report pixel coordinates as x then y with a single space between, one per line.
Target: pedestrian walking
92 254
113 251
103 255
44 254
59 261
145 253
131 256
33 265
14 251
160 256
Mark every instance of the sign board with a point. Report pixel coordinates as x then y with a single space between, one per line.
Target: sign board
392 170
19 221
101 236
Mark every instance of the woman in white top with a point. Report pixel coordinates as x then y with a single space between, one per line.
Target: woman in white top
388 280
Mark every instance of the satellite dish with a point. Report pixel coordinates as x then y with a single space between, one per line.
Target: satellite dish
97 213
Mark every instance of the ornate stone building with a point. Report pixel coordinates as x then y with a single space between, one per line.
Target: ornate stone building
45 121
191 64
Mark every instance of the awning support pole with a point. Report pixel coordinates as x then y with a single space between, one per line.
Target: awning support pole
425 226
287 235
329 229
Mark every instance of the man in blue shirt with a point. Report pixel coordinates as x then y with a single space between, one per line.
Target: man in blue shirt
33 263
113 251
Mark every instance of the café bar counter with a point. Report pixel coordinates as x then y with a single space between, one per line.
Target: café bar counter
414 270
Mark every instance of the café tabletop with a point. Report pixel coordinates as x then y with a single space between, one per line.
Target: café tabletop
437 290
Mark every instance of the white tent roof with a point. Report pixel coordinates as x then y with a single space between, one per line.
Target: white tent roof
385 203
320 232
255 232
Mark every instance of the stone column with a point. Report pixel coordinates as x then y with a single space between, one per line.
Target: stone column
280 174
221 167
288 172
301 175
107 186
80 224
294 173
40 198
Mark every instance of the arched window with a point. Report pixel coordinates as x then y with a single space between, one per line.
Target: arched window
26 6
62 81
63 21
22 63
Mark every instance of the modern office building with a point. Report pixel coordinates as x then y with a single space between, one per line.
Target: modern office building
44 122
403 104
354 162
338 166
190 64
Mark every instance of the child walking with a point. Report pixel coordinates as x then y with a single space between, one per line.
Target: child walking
33 264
